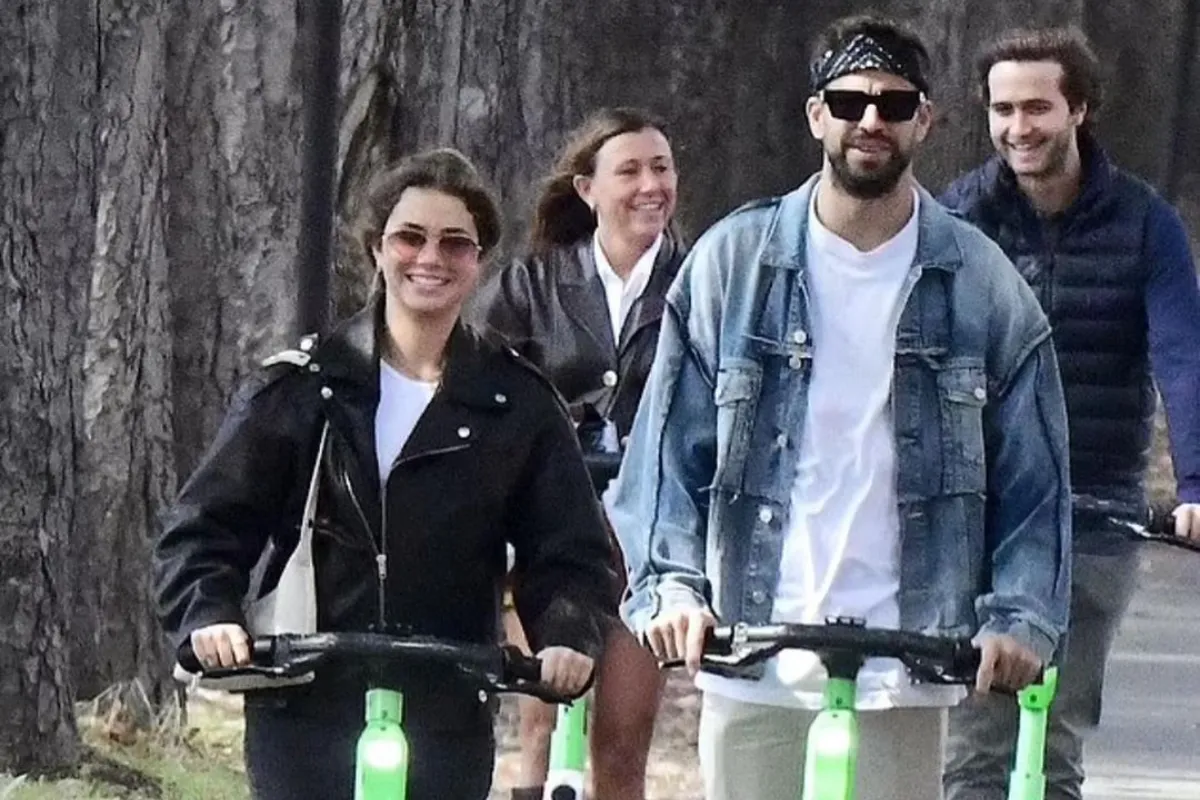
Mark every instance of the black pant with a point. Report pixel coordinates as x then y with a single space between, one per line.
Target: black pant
306 750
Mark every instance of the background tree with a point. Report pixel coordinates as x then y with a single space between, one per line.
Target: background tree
149 202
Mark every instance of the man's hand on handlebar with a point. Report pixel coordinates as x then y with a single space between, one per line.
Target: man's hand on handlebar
1005 662
221 646
565 671
1187 521
679 635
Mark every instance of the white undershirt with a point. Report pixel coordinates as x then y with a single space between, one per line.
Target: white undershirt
841 548
402 401
622 292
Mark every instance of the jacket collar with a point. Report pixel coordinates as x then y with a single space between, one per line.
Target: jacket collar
648 310
1097 169
582 293
937 245
351 354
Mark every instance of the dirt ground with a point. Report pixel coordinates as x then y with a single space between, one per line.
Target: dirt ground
673 773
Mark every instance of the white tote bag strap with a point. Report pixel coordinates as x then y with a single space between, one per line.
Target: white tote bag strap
304 546
291 607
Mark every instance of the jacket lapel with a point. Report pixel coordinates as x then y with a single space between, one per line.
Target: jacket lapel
349 367
648 309
582 296
448 424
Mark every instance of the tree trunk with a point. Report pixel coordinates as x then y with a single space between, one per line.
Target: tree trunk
45 171
123 441
233 128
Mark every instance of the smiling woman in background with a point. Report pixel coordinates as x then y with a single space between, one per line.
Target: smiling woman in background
585 307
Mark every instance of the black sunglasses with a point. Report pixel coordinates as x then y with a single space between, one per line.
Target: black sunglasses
893 105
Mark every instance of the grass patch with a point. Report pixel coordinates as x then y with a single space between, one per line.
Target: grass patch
201 762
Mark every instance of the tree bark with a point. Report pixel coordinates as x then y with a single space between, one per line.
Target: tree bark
233 129
123 446
45 170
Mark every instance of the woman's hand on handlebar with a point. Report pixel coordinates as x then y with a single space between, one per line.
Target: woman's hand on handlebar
1187 521
679 635
1005 662
565 671
224 645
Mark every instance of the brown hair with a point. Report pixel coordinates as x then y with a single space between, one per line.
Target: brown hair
561 217
1067 46
445 170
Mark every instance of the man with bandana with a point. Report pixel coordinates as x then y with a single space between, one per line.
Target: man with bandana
1111 263
854 411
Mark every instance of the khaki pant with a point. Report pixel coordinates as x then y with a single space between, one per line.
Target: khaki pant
756 752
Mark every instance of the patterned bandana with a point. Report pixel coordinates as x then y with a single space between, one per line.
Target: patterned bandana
864 52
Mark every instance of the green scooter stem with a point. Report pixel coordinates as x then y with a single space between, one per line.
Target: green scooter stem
832 754
381 766
1028 779
568 753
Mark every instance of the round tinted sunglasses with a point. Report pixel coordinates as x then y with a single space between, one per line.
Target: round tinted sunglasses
892 105
408 243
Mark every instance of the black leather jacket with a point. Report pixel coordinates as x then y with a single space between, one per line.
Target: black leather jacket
494 459
553 311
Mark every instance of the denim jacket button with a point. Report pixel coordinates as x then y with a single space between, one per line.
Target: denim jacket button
765 515
758 596
800 337
980 393
781 441
795 362
609 378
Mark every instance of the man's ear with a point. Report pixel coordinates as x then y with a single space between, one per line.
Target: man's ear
814 110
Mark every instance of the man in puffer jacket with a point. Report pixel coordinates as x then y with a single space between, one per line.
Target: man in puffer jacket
1109 260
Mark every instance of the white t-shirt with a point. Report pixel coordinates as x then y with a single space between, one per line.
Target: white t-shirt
402 401
621 293
841 548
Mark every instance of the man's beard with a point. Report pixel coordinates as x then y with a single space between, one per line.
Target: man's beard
868 185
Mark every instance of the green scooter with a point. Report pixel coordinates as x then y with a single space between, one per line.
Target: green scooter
844 645
382 756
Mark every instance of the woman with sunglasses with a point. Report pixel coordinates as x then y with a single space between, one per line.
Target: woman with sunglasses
442 448
585 308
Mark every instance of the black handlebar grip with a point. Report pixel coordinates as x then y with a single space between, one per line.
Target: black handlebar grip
186 657
260 651
1161 521
967 659
518 666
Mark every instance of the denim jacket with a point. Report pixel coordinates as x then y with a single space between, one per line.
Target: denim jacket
701 504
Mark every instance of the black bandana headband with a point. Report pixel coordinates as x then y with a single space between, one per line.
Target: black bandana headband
864 52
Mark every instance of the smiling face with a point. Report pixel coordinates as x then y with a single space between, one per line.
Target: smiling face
867 156
428 254
633 187
1032 125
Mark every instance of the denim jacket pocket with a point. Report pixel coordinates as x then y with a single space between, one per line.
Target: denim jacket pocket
736 400
962 391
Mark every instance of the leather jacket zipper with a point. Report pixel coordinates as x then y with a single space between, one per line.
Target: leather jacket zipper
379 548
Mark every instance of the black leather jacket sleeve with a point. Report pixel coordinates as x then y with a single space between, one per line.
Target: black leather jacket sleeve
219 525
563 583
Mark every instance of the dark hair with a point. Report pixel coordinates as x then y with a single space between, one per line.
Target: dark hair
560 216
444 170
893 35
1067 46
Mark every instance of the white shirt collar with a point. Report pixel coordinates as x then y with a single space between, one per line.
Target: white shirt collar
621 294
